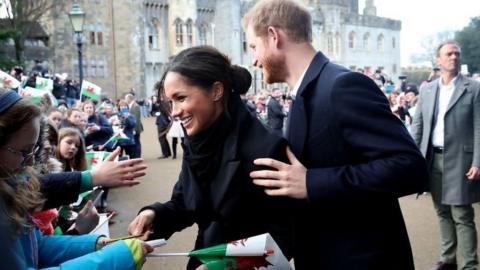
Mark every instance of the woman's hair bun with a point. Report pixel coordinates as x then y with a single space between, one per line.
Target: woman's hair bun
241 79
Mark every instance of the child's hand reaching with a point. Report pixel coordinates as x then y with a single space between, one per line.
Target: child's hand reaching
87 219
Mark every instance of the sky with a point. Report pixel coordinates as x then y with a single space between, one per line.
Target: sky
421 18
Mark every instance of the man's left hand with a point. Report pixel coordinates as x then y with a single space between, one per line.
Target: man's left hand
473 173
287 180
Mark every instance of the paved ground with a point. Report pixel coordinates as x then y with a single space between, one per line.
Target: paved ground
161 175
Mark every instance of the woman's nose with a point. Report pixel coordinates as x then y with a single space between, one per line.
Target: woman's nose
175 110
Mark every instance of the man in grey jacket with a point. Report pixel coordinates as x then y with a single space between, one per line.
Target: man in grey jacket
446 126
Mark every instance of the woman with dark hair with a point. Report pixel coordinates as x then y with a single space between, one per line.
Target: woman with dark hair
222 139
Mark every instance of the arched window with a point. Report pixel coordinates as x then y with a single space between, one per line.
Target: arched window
178 32
153 34
189 32
366 38
330 43
394 43
338 43
380 39
202 34
352 40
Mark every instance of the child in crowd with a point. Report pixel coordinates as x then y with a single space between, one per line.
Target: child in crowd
74 118
55 116
22 245
71 150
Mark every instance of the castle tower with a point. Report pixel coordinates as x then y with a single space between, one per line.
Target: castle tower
228 30
112 46
354 6
370 8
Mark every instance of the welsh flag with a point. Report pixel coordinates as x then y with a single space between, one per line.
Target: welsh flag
258 252
119 136
91 90
24 82
36 95
44 84
8 81
95 158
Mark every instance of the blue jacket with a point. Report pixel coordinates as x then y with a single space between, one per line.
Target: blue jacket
32 250
101 136
128 123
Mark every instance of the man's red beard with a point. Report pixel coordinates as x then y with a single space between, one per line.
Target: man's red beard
274 69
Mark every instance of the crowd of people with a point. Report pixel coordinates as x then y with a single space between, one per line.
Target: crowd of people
340 145
43 169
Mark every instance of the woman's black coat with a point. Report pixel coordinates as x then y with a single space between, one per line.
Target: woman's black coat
234 207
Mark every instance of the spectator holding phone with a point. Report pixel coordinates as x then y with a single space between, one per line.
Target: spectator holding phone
98 129
127 124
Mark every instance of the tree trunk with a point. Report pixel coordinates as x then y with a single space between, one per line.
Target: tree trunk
19 49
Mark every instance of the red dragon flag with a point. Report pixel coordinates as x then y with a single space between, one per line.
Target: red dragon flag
258 252
95 158
91 90
44 84
8 81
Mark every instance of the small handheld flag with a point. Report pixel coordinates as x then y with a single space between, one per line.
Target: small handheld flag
8 81
44 84
91 90
36 95
95 158
258 252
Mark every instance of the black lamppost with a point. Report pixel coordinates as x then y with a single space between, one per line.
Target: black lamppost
77 18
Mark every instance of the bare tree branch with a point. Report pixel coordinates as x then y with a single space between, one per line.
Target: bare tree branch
23 14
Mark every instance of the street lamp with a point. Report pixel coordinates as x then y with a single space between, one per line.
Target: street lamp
77 18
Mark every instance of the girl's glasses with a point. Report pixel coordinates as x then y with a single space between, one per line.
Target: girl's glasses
25 155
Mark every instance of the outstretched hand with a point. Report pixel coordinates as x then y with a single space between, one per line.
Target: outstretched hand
112 173
284 179
142 224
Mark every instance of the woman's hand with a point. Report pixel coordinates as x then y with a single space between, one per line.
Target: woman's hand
118 173
142 224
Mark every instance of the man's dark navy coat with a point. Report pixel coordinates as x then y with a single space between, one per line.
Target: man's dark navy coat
360 160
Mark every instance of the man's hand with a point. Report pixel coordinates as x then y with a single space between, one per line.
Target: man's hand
288 180
473 173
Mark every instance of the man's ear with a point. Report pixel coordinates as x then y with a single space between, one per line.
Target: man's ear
217 90
274 36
